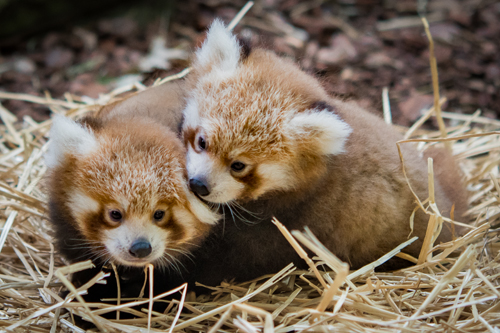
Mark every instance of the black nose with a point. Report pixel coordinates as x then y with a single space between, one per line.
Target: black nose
199 187
140 248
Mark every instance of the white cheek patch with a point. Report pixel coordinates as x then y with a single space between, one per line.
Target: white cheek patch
274 176
81 204
224 187
198 165
199 209
119 240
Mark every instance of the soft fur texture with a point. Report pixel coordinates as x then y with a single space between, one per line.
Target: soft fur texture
163 104
311 160
127 162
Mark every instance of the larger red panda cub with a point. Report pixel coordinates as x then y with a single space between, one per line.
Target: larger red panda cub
118 194
262 134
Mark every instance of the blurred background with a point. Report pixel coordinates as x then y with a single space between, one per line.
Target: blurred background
356 47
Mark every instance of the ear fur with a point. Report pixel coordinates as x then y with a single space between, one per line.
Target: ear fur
321 128
191 114
68 137
220 49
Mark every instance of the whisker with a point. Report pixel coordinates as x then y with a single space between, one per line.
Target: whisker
252 214
231 211
175 263
240 215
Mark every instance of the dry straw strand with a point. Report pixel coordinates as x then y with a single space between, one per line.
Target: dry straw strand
453 288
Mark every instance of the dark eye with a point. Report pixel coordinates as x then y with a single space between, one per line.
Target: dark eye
115 215
159 214
201 143
237 166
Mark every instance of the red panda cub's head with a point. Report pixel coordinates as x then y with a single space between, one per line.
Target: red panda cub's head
254 123
120 186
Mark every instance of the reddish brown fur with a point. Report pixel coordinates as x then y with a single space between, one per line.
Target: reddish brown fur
162 103
357 202
137 163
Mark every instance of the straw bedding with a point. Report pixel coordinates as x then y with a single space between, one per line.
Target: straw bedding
453 287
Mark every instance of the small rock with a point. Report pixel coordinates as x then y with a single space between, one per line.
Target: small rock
85 84
466 98
281 46
441 52
461 16
369 41
444 31
347 74
489 48
24 65
477 85
120 26
412 107
59 58
341 49
107 45
88 38
492 71
378 59
309 54
51 40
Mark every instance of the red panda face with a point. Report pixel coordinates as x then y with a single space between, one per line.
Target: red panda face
124 187
254 125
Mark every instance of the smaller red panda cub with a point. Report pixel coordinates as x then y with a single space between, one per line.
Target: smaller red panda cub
118 193
264 135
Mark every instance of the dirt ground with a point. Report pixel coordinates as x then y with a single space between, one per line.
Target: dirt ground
357 47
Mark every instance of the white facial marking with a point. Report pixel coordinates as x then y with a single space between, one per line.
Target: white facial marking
327 129
81 204
198 165
68 137
119 240
275 176
199 209
223 187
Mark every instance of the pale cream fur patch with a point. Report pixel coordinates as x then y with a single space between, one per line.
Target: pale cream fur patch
200 210
81 204
220 49
322 128
119 240
274 176
68 137
223 187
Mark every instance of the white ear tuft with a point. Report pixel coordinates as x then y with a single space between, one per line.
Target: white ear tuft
191 114
221 48
68 137
321 128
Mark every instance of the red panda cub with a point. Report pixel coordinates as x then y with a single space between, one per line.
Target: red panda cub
264 139
118 194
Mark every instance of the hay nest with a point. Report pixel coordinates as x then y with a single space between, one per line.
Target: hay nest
452 287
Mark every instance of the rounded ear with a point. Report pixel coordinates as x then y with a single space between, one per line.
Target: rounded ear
68 137
320 129
221 49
